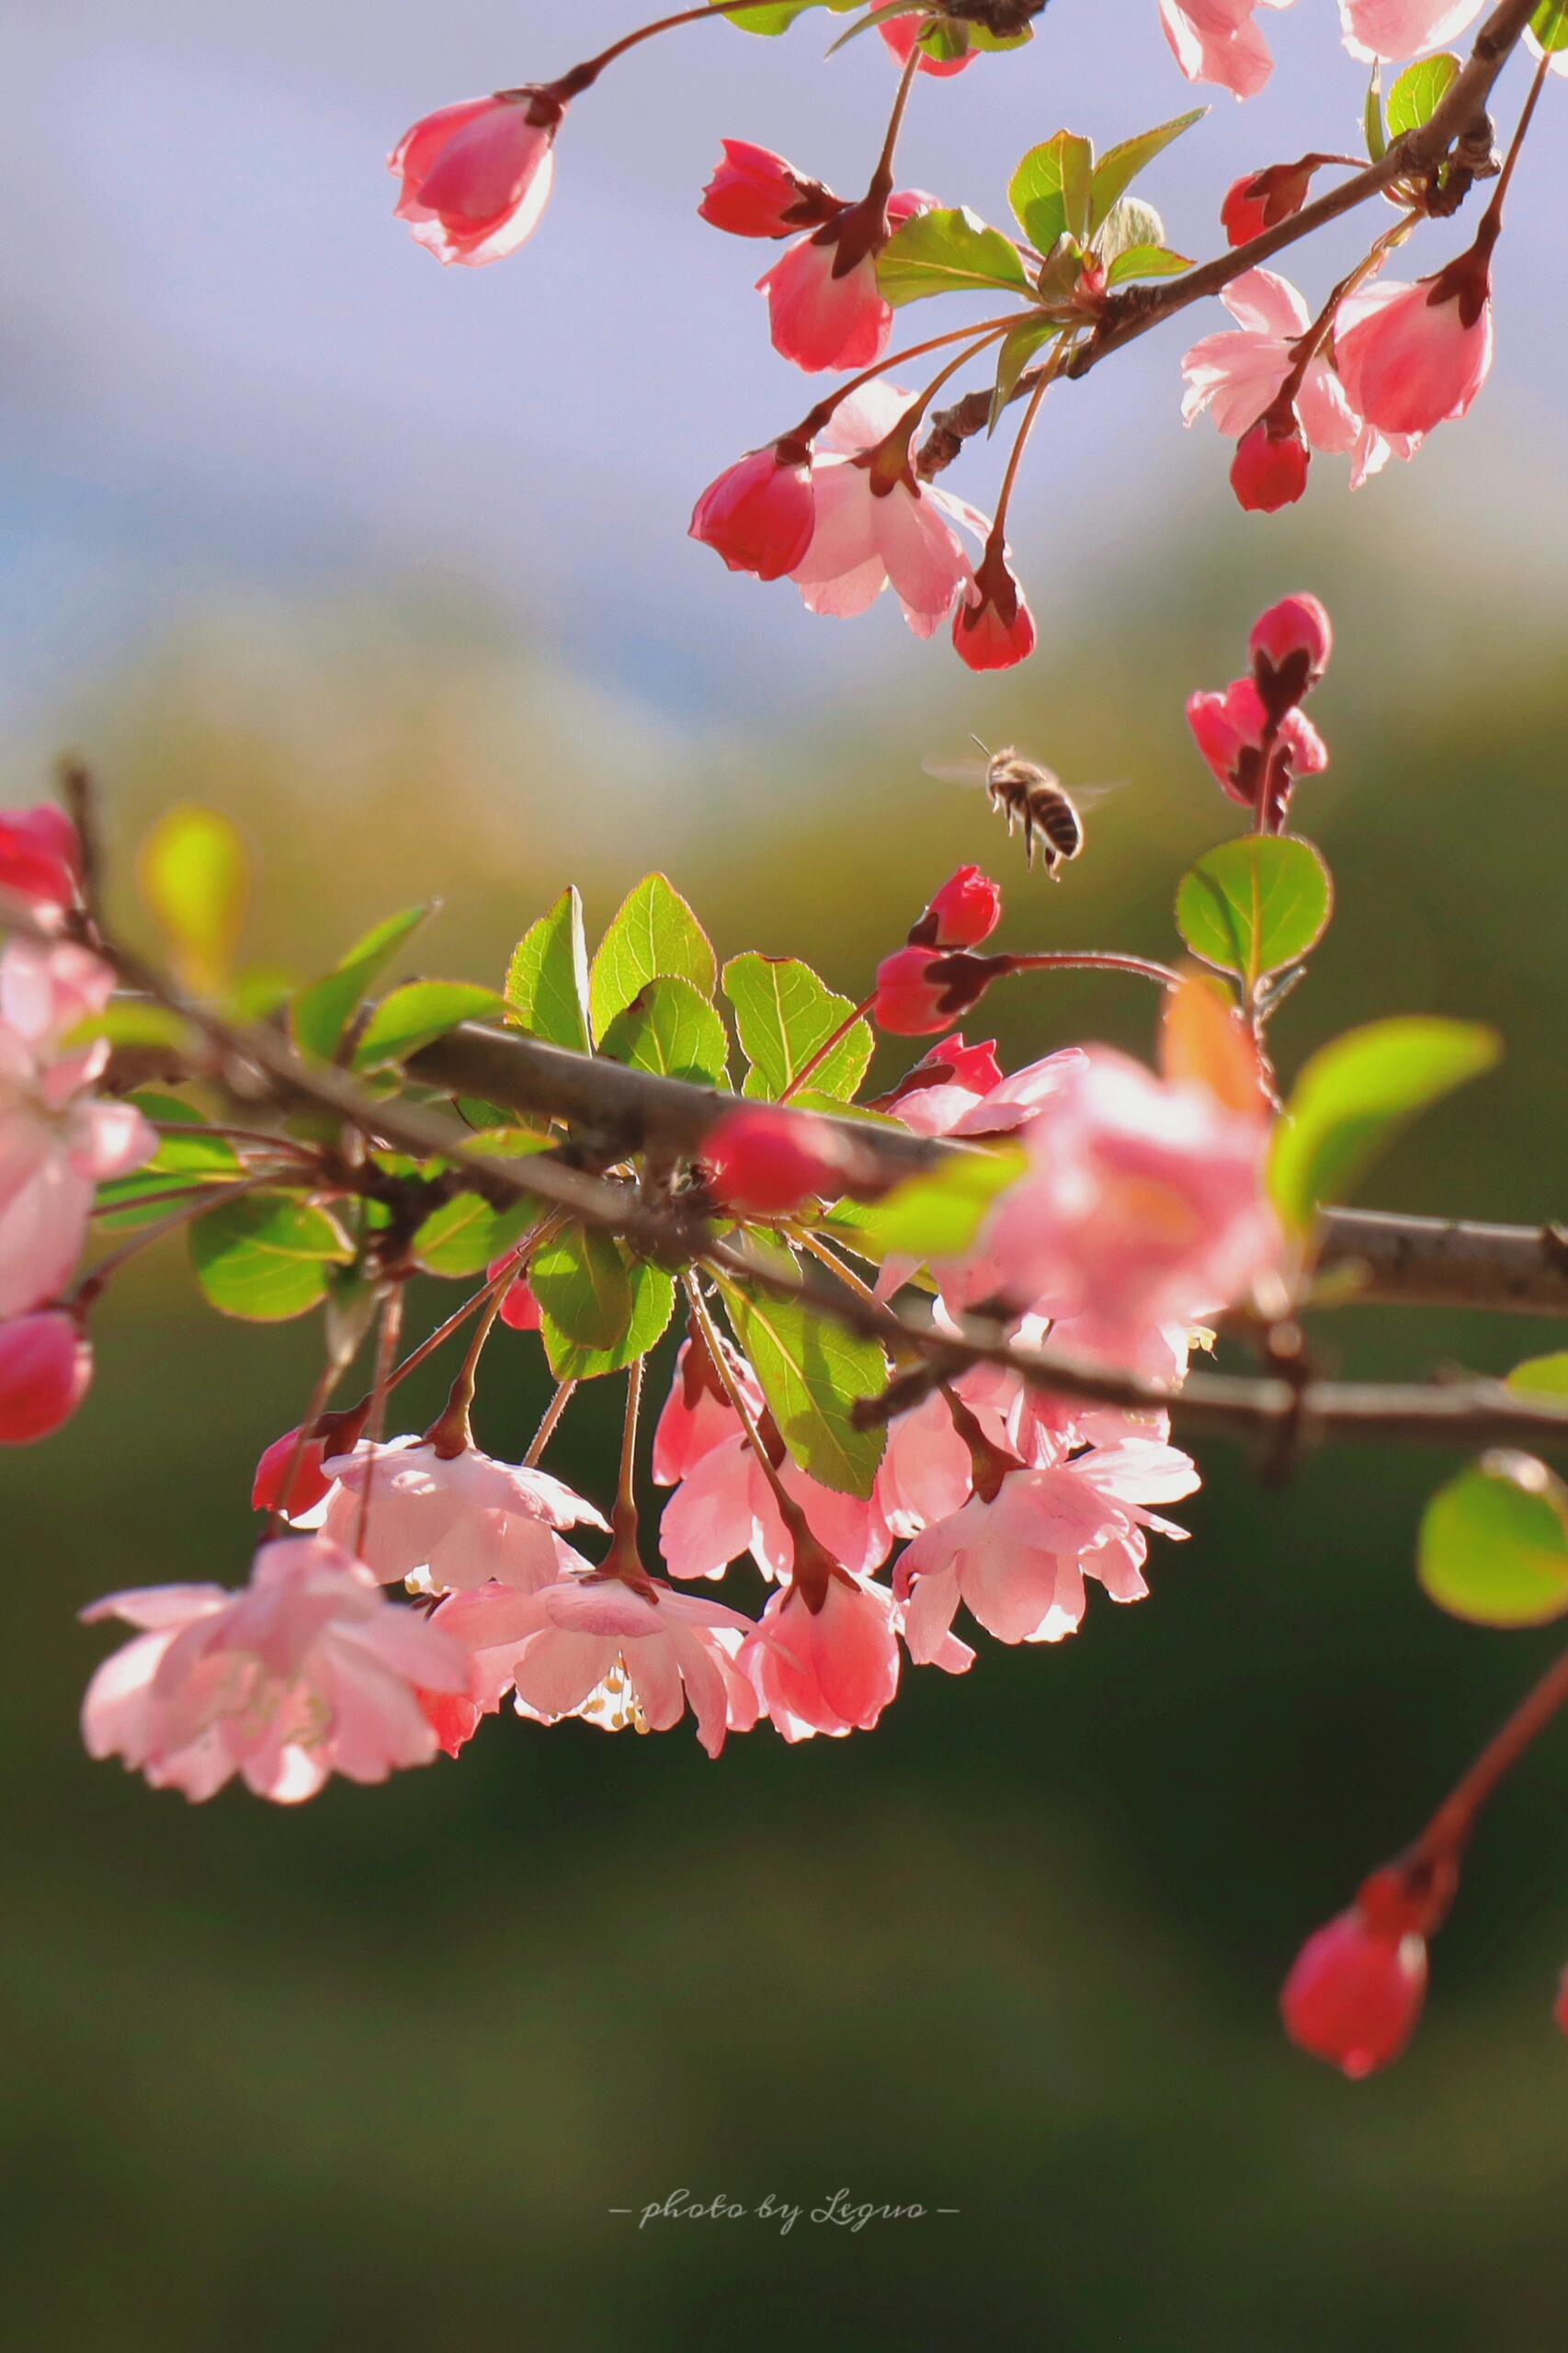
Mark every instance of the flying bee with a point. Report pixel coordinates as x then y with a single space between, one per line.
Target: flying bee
1032 797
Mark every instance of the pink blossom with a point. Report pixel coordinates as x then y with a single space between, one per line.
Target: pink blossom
943 1086
759 514
755 193
725 1506
927 1472
904 31
825 307
1018 1559
309 1671
463 1519
1231 729
46 1367
1413 356
826 1662
612 1652
41 858
697 1413
876 526
57 1142
1216 40
1142 1205
1386 30
476 177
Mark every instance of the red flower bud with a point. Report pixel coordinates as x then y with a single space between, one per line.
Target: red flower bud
966 910
755 193
920 991
519 1308
40 858
993 626
1290 645
759 514
46 1365
1269 470
1354 1995
288 1476
1264 198
769 1161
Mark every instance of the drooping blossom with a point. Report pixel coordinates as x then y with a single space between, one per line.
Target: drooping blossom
611 1650
1216 40
1017 1557
1262 199
1385 32
307 1672
824 1657
768 1160
904 31
759 514
755 193
877 526
927 1472
825 306
40 859
463 1519
1355 1991
477 176
966 910
46 1367
1414 356
993 626
725 1507
697 1415
1231 731
58 1143
1141 1206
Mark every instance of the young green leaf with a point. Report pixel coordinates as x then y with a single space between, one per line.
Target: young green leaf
1419 92
1119 165
669 1029
319 1014
1541 1376
652 1304
653 936
1494 1544
784 1013
1254 905
947 252
267 1256
546 981
1549 26
416 1015
1052 191
938 1215
466 1234
1354 1096
1146 261
194 879
813 1372
1372 118
772 18
583 1281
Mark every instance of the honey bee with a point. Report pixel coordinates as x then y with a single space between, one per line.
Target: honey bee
1032 797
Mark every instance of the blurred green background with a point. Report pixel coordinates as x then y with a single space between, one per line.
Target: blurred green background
375 2072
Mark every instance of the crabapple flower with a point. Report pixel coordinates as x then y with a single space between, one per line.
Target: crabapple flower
1216 40
697 1413
755 193
725 1506
307 1672
824 1657
1355 1991
1382 31
57 1142
40 859
825 307
464 1519
1264 198
476 177
1414 356
1231 731
46 1367
943 1086
966 910
769 1161
1289 646
612 1650
927 1472
1269 469
920 992
759 514
901 37
993 626
1141 1206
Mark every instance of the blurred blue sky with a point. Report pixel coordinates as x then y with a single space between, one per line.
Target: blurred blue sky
225 370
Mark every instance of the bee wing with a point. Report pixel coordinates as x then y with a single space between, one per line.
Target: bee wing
961 771
1086 796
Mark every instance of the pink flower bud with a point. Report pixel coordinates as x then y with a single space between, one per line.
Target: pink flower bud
476 177
1263 199
519 1308
760 514
40 858
769 1161
920 992
1269 469
1231 729
966 910
993 627
1290 645
46 1365
755 193
1413 356
1355 1993
288 1478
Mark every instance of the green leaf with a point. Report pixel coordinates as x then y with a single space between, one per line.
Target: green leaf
1494 1544
652 1304
267 1256
1541 1376
417 1014
1549 26
194 878
466 1234
1354 1096
1019 348
135 1025
1120 164
546 981
654 936
1052 191
194 1157
583 1281
812 1372
1146 261
1254 905
320 1012
951 251
669 1029
1419 91
938 1215
1128 223
784 1013
1372 118
772 18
